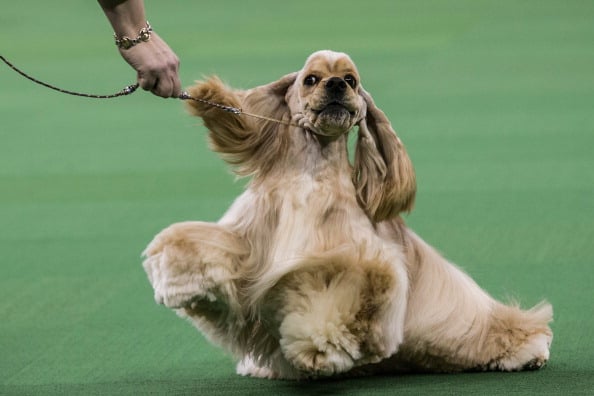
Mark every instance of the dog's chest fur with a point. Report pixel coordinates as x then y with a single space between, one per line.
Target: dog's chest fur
301 205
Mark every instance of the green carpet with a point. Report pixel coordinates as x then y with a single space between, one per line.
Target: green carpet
494 100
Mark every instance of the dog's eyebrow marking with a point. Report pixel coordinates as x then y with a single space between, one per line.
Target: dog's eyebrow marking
332 71
314 72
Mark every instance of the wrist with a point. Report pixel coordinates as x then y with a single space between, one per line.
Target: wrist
126 42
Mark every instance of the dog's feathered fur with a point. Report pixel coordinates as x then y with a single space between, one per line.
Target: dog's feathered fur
312 272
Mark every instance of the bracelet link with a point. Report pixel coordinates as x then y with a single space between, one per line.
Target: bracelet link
126 42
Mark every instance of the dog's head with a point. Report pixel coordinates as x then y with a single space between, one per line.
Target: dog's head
326 98
325 95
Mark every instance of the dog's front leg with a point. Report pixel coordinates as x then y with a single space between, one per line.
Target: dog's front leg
195 264
340 314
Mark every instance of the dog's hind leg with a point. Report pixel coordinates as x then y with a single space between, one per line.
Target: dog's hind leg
518 339
454 325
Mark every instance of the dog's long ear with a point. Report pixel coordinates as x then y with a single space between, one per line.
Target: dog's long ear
383 176
250 144
269 99
265 140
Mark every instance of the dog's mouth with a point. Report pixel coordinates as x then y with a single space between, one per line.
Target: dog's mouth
333 118
334 107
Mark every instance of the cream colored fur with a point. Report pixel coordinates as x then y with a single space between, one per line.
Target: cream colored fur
312 272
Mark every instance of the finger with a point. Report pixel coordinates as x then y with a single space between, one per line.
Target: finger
176 80
147 82
163 88
169 86
176 87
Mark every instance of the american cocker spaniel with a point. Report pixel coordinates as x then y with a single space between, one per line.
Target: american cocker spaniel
312 271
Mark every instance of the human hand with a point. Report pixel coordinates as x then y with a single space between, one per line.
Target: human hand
156 65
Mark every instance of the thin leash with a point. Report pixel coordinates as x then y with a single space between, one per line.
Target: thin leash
130 89
126 91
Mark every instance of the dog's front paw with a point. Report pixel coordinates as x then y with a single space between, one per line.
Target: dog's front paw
318 348
174 288
193 265
249 368
183 268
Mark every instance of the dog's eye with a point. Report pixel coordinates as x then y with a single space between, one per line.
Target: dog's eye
349 79
310 80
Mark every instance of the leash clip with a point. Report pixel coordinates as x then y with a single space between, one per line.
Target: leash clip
129 89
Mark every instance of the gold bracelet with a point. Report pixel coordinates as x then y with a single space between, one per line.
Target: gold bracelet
127 43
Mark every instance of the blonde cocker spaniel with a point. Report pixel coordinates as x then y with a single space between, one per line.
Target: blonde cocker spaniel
312 272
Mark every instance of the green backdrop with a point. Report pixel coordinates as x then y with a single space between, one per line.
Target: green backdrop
494 100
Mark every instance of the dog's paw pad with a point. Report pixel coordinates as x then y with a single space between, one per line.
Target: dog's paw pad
247 367
535 364
192 298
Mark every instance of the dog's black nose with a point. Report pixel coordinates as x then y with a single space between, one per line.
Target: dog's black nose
336 85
